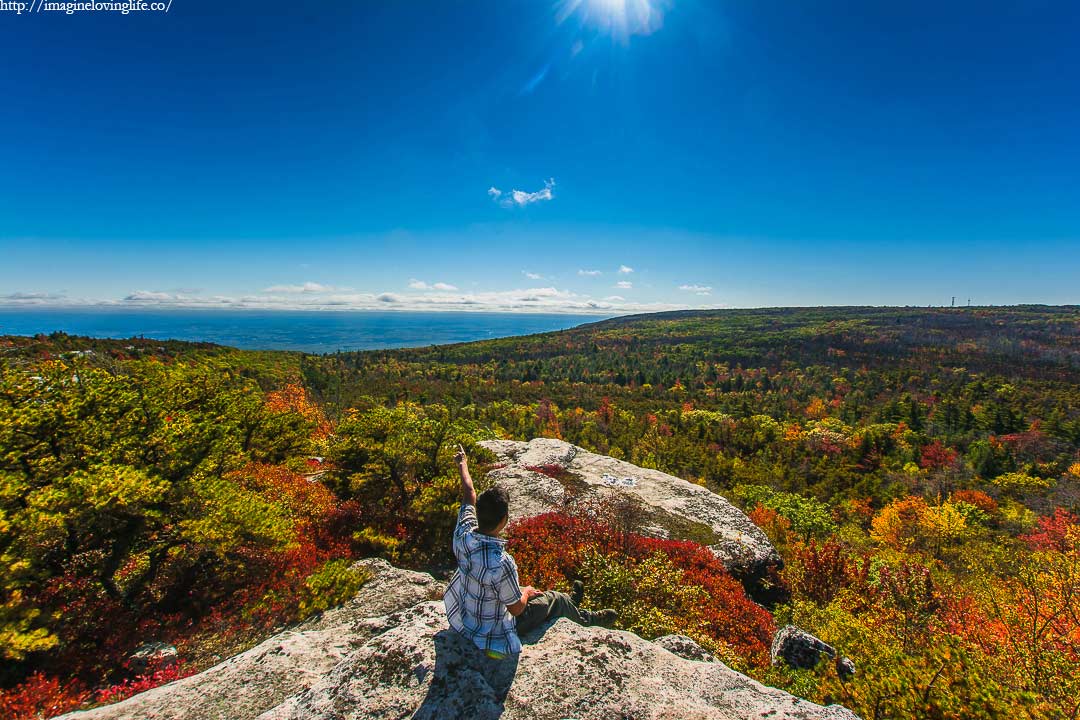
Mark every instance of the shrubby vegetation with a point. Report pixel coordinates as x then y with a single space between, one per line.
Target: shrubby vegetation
659 587
918 470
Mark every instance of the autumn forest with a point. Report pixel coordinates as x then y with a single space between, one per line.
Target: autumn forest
917 469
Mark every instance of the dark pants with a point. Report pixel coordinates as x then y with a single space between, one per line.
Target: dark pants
550 606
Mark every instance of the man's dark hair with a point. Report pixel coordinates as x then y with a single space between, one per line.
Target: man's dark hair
491 507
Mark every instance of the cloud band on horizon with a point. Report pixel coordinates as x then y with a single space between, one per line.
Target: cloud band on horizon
529 299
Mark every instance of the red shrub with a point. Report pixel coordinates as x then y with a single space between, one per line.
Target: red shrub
96 632
731 616
818 572
1053 532
936 456
553 471
41 697
962 617
549 549
141 683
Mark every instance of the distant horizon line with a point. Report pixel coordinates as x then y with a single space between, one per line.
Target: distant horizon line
608 312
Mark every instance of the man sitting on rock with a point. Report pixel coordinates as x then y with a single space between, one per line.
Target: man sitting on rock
484 601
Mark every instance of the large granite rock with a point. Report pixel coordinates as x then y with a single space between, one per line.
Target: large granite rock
389 654
262 677
423 670
540 473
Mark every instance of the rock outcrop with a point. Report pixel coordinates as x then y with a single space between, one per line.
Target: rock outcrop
152 654
388 653
800 649
540 473
264 676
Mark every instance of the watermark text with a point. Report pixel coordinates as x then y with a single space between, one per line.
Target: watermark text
124 7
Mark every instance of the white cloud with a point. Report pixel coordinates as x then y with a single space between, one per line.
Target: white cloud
545 292
623 269
421 285
532 275
308 287
588 273
697 289
520 198
147 296
28 296
624 285
536 298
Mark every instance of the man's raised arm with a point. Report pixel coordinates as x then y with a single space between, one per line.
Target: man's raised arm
468 492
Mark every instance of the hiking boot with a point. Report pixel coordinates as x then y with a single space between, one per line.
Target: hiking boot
577 593
604 618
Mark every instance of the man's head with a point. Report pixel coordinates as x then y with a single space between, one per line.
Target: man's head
492 510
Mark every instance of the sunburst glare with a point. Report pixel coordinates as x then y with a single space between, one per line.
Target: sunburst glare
618 18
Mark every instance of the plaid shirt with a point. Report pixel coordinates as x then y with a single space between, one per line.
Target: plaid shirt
485 582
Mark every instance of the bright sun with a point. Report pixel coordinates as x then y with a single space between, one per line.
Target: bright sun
620 18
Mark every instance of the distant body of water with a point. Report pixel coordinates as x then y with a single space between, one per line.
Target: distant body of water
316 332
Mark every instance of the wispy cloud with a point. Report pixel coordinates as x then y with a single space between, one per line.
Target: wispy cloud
589 273
624 285
30 297
308 287
625 270
532 275
697 289
520 198
156 298
421 285
148 296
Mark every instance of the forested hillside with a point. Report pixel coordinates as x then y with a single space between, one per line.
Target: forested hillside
708 395
918 469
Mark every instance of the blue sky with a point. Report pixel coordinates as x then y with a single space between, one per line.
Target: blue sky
664 154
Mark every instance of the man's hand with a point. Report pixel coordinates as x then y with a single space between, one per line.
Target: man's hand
529 592
468 492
